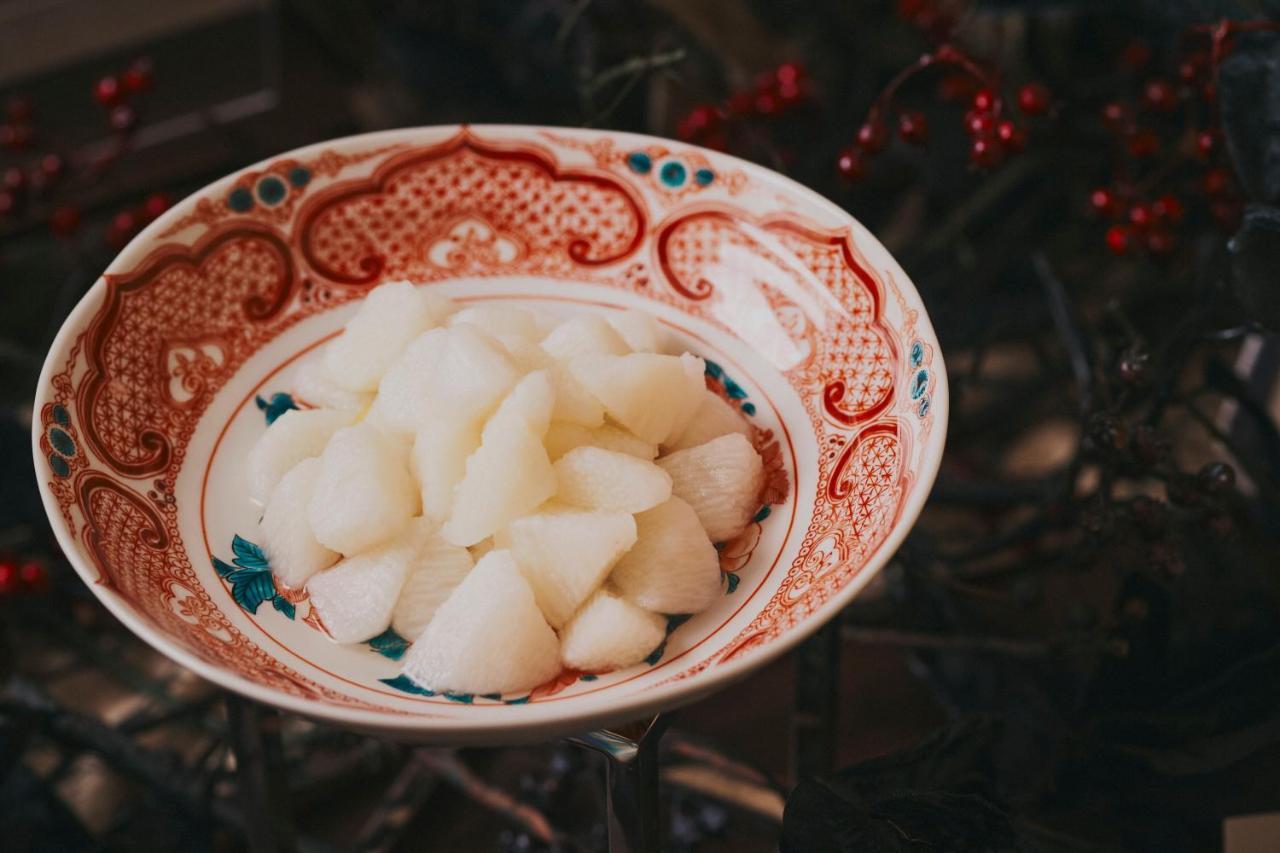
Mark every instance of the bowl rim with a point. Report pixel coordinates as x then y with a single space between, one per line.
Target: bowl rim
488 728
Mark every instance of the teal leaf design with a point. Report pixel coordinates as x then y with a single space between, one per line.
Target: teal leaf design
224 570
733 582
276 406
389 644
284 605
676 620
248 555
464 698
522 700
589 677
734 390
405 684
656 654
763 513
250 588
492 696
712 369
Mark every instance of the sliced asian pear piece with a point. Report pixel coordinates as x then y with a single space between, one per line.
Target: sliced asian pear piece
295 435
566 555
563 437
390 316
487 637
653 396
609 632
673 567
501 321
714 418
364 493
584 335
355 599
641 331
312 384
457 372
721 480
292 549
507 477
435 574
574 404
440 452
608 480
527 407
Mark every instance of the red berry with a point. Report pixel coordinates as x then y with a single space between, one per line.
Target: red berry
1116 116
742 103
913 127
156 204
766 104
51 164
1168 208
15 137
1140 215
32 576
14 179
1104 202
125 222
789 72
9 580
909 10
984 100
985 152
872 136
715 141
1012 137
8 203
1118 239
123 118
1160 241
1033 99
1206 143
850 165
1217 181
1159 95
138 76
1143 143
64 221
1226 212
19 108
979 123
789 94
1135 55
107 91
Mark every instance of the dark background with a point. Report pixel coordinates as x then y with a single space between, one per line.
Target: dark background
1079 646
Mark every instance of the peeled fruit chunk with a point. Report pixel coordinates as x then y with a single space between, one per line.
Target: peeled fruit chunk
673 567
364 493
610 632
355 599
721 480
312 383
528 407
565 556
563 437
584 335
440 452
501 321
292 549
458 370
714 418
506 478
653 396
437 570
390 316
295 435
609 480
640 330
574 404
487 637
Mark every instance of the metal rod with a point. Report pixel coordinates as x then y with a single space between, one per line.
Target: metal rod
633 802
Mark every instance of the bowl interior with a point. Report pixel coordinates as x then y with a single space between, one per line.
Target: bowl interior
172 365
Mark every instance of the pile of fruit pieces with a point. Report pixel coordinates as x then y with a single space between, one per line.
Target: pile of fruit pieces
511 493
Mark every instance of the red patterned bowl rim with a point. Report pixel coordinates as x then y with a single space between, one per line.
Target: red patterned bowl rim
481 728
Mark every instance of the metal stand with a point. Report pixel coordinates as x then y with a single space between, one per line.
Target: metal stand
264 790
813 717
634 808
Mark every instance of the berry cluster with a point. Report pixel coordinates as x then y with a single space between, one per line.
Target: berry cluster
116 92
26 576
130 221
775 94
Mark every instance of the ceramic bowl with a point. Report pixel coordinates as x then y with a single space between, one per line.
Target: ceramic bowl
169 368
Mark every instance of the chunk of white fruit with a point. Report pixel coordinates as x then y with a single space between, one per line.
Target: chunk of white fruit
673 567
500 321
312 383
715 417
355 599
565 556
295 435
609 633
584 335
528 407
641 331
364 493
721 480
606 479
574 404
653 396
506 478
292 549
563 437
440 452
457 372
487 637
390 316
438 569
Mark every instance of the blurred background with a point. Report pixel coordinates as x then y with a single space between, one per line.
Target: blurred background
1078 649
